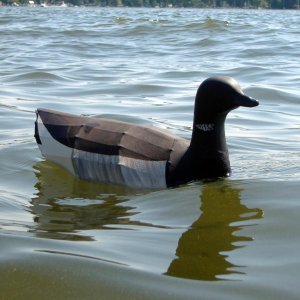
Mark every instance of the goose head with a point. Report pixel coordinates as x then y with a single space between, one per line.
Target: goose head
216 97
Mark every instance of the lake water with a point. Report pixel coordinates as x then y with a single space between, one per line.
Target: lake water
62 238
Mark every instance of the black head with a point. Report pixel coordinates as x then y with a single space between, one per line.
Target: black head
217 96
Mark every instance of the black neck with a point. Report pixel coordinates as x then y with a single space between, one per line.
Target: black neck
209 134
208 146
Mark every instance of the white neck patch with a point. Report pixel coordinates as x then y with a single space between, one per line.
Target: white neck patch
206 127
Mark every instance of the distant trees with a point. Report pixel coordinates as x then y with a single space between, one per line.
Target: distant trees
276 4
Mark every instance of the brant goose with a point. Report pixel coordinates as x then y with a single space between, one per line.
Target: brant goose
105 150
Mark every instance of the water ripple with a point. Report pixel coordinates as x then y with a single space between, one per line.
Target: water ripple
144 66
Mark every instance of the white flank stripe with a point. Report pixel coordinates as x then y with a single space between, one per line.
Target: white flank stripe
118 169
53 150
143 173
97 167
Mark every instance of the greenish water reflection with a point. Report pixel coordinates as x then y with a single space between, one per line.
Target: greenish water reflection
200 252
66 208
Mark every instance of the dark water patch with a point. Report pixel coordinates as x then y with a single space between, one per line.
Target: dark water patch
179 75
20 34
205 42
32 78
209 24
89 32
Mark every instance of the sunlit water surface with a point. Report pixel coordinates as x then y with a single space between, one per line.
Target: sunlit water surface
62 238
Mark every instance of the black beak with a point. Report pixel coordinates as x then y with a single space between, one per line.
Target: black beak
246 101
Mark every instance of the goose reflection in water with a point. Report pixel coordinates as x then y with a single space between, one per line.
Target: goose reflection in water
66 208
201 249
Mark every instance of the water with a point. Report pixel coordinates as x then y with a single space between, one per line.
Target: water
62 238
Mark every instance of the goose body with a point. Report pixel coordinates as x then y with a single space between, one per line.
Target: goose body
106 150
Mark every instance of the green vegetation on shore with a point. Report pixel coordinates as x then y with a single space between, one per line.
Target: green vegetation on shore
272 4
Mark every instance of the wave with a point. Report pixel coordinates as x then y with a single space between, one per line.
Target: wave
35 76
